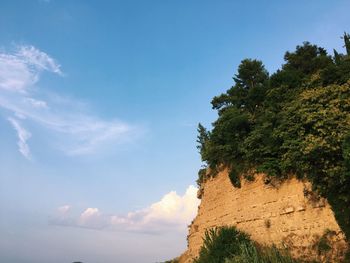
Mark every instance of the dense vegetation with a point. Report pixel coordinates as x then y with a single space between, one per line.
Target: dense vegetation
229 245
295 121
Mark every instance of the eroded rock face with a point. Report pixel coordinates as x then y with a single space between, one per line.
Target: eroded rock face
284 214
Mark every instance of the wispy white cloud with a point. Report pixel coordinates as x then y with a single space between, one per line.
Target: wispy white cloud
173 211
14 74
21 69
36 103
37 60
23 136
75 129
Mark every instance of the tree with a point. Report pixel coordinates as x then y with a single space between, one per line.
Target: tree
249 90
296 121
346 38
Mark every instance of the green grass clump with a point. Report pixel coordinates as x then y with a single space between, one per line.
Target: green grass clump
229 245
249 253
221 243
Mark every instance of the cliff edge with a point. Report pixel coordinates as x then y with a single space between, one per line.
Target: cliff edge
286 214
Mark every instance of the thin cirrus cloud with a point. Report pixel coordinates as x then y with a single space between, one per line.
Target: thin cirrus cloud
75 130
23 136
173 211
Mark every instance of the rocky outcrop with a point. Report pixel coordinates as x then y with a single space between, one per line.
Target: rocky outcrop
286 214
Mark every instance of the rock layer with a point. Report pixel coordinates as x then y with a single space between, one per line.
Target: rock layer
286 214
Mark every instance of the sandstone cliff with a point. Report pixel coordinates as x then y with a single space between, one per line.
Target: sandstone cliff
284 213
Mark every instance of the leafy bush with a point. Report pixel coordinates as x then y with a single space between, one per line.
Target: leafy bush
221 243
229 245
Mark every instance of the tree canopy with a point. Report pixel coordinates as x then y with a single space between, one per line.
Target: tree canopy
295 121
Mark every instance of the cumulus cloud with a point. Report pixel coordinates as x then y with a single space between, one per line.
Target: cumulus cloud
64 209
173 211
74 128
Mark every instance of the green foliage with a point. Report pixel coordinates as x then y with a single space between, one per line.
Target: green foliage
221 243
347 257
323 245
229 245
249 253
295 121
249 90
172 261
234 177
346 38
202 174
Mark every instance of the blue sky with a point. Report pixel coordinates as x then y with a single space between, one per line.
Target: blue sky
99 102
